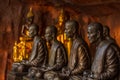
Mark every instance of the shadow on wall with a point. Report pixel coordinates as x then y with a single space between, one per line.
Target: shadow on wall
3 63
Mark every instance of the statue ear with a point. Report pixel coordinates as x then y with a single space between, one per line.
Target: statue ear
53 35
98 34
35 32
73 30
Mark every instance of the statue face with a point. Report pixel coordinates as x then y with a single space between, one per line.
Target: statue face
29 20
48 34
92 34
32 32
68 30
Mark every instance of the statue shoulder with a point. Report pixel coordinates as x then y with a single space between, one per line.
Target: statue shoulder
81 41
106 43
58 43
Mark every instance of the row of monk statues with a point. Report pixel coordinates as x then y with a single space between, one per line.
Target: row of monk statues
53 64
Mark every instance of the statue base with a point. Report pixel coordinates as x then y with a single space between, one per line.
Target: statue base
16 75
26 78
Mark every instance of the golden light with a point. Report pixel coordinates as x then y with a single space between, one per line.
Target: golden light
22 49
61 35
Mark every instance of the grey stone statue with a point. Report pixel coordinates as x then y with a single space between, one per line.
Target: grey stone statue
106 33
58 55
106 64
38 56
79 55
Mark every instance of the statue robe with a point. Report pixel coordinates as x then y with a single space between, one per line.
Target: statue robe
57 60
79 58
106 63
39 54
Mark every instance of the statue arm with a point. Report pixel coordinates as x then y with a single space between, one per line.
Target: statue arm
40 54
111 65
59 59
82 59
22 31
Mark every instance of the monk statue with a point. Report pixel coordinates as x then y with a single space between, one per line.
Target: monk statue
106 34
38 56
57 55
105 65
79 55
57 58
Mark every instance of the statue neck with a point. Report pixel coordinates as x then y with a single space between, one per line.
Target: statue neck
35 37
98 41
54 40
75 36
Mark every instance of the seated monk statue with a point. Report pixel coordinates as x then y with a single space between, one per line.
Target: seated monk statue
79 55
58 55
105 65
106 34
29 21
38 56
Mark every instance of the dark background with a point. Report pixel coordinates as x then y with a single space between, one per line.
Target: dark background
13 13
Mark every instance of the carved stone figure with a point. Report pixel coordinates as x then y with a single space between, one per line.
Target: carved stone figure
106 64
38 55
58 55
106 33
29 21
79 55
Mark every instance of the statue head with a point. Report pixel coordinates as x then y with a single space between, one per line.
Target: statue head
106 31
30 17
71 28
33 30
29 20
51 33
94 32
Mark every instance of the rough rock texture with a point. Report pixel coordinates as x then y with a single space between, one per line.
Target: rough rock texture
13 13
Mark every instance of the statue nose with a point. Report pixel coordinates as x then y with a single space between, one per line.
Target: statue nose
88 36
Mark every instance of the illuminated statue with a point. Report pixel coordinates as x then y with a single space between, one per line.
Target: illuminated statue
29 21
25 45
38 54
62 18
21 50
15 52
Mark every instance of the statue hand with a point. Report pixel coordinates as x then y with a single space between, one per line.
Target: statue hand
95 76
34 62
44 69
90 79
64 70
49 68
68 73
23 62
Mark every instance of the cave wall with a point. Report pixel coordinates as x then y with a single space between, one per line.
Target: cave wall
13 13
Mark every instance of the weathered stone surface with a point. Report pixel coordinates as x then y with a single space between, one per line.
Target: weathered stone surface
13 13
